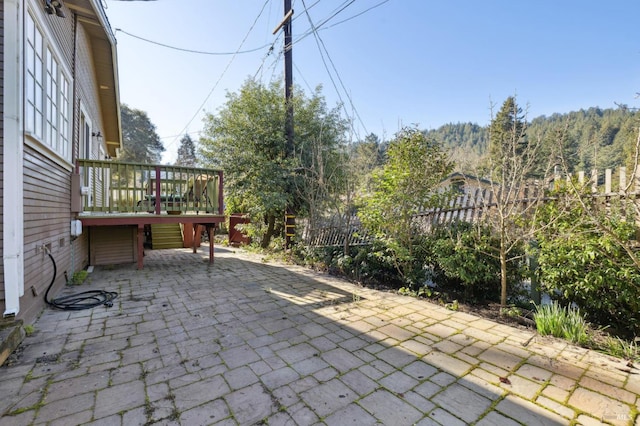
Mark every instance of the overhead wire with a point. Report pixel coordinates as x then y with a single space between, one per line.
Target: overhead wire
223 73
264 58
354 16
314 28
302 76
199 52
321 47
275 63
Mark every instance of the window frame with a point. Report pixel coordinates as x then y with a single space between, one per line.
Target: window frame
47 99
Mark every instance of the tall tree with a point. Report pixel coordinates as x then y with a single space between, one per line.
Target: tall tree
512 162
246 139
186 152
507 132
140 141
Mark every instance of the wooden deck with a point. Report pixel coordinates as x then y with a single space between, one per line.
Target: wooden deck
107 193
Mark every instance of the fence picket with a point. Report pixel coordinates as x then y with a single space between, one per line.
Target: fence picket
475 203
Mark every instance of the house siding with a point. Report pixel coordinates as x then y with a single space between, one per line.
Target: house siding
87 98
47 182
2 303
46 223
87 90
46 186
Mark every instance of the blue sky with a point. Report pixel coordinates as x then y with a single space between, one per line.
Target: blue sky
404 62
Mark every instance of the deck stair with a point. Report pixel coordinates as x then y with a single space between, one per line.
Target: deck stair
11 335
166 235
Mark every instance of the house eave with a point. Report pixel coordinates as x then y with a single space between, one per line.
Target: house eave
90 14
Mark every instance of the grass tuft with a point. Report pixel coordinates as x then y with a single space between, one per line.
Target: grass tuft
563 322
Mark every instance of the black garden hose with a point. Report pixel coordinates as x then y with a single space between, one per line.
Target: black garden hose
80 301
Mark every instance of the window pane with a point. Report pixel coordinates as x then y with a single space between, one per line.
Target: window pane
64 117
47 92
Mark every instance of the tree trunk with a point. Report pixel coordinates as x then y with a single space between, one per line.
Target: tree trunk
503 276
266 238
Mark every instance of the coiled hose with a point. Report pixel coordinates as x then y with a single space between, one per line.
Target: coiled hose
80 301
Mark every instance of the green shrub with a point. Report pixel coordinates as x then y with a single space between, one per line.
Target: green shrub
581 263
375 264
564 322
459 260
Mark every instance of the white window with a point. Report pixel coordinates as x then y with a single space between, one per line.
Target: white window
34 78
47 103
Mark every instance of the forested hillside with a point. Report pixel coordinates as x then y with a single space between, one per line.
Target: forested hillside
592 138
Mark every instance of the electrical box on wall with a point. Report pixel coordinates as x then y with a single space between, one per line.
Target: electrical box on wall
76 228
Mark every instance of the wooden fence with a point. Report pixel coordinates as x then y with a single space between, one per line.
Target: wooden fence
473 203
334 232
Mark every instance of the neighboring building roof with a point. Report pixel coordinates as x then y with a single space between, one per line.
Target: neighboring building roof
464 178
92 17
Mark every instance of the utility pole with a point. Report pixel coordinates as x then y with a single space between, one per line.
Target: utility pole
288 75
290 214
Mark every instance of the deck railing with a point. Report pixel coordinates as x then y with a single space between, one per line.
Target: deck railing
117 187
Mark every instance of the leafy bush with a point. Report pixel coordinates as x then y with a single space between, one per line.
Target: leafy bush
407 184
589 265
459 261
375 264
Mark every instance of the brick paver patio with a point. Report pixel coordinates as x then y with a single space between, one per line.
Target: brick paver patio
249 342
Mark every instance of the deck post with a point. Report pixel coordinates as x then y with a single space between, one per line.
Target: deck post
220 194
211 232
158 198
194 242
140 245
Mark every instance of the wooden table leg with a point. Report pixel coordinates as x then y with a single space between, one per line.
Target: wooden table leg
140 246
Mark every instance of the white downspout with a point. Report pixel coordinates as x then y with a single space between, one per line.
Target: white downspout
13 151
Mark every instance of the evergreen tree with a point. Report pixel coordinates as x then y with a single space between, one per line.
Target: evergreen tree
187 152
507 127
141 143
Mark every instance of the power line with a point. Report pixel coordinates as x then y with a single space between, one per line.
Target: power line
223 73
322 46
356 15
264 58
182 134
199 52
305 10
320 27
302 76
314 28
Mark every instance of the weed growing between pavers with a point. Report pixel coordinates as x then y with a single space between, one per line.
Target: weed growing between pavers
148 408
175 415
110 381
19 411
37 405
